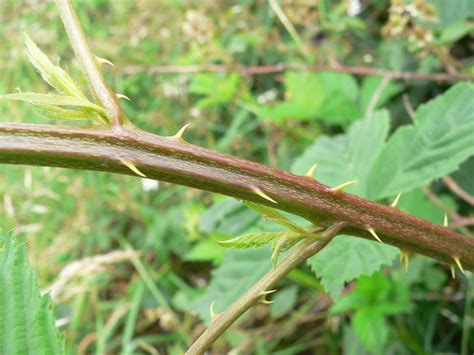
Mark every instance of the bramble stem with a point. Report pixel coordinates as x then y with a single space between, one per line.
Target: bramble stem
173 160
90 65
255 294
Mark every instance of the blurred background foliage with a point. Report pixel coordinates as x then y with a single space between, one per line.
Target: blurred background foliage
132 264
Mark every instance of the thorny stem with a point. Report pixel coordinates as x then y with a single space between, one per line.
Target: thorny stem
90 64
173 160
281 68
256 293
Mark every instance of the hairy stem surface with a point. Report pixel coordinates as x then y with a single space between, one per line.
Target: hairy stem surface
173 160
256 293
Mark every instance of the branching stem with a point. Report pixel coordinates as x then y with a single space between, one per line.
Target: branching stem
307 248
174 160
90 65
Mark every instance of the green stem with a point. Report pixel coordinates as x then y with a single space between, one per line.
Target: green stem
256 293
90 64
466 324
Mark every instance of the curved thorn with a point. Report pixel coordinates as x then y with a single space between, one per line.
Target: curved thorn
132 167
372 231
267 292
104 61
445 221
395 202
458 263
453 273
122 96
342 186
311 171
263 195
179 135
212 312
265 301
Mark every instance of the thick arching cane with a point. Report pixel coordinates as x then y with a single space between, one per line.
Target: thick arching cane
174 160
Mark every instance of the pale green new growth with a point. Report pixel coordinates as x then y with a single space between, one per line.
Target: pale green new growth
275 216
252 240
282 240
56 100
49 106
52 74
27 323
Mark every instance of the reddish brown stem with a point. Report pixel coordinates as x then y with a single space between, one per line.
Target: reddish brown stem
173 160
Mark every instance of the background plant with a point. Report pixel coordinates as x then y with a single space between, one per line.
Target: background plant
125 210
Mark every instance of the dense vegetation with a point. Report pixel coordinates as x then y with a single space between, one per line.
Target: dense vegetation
133 265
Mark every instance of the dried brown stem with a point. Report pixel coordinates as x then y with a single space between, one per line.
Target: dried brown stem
280 68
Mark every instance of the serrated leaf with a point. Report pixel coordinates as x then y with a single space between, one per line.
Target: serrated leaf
252 240
275 216
440 139
340 159
347 258
54 100
347 157
239 270
52 74
27 323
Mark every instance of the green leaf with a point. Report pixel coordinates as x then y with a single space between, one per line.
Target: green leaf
251 240
452 11
418 204
370 86
239 270
347 157
328 96
371 328
52 74
440 139
27 323
340 159
55 100
372 300
217 88
347 258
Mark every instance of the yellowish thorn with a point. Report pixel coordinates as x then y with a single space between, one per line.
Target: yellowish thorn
132 167
395 202
458 263
122 96
265 301
445 221
267 292
453 273
311 171
371 231
212 312
405 258
105 61
263 195
181 131
342 186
